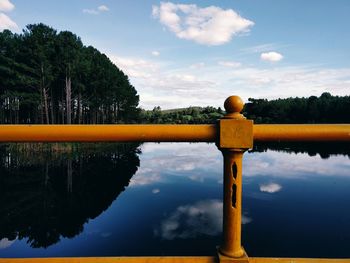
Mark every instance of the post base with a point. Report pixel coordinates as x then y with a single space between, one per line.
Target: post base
225 259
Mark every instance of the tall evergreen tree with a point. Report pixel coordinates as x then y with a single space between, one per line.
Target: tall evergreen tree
50 77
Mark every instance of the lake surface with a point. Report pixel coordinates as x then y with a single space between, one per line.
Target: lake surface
166 199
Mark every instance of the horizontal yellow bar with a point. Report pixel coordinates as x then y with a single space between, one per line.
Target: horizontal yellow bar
301 132
100 133
168 133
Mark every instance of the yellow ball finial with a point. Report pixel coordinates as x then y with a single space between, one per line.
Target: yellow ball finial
233 106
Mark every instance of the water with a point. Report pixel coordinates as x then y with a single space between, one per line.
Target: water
165 199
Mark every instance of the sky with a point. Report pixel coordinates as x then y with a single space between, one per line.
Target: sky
197 53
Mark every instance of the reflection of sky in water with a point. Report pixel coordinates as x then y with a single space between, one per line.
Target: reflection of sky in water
293 204
192 220
203 218
167 161
200 162
5 243
291 165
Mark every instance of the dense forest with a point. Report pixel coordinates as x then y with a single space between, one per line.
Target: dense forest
323 109
51 77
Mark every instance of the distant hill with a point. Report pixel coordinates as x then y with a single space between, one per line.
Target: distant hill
181 109
195 114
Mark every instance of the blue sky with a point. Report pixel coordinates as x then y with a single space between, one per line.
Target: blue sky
187 53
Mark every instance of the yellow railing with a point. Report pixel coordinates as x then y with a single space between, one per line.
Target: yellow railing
233 135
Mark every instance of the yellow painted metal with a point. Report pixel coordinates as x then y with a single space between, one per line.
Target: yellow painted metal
302 132
236 136
168 133
233 106
225 259
99 133
232 204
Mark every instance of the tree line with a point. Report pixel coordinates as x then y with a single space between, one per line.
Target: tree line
323 109
190 115
50 77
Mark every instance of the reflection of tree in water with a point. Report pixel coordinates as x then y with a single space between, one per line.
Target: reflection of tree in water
45 197
325 150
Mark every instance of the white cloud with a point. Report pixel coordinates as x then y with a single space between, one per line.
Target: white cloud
103 8
6 6
7 23
158 85
263 48
100 9
270 188
210 83
210 26
271 56
134 67
155 53
197 65
230 64
90 11
289 81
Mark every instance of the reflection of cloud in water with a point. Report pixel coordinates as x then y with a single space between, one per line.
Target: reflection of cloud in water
291 165
201 161
187 166
270 188
195 161
196 178
188 221
145 179
155 191
192 220
246 220
5 243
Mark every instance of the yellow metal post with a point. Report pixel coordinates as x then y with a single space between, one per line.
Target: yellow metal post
236 136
